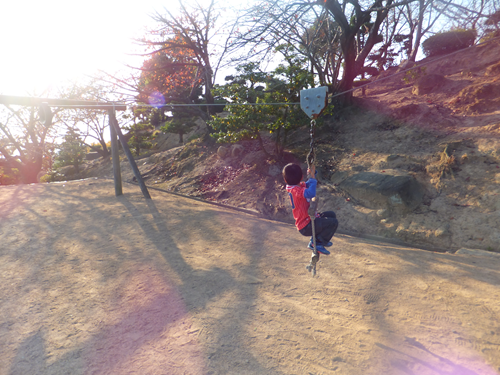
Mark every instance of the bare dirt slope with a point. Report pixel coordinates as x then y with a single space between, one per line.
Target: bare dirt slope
98 284
440 124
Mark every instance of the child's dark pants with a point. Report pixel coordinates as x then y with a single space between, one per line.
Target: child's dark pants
325 226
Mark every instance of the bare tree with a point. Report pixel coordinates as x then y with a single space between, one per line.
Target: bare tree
23 141
421 18
92 124
196 31
468 14
352 18
308 31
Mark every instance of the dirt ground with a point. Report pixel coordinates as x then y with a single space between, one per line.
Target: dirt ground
442 129
98 284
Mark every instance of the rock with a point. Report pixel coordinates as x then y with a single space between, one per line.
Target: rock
442 231
223 195
396 193
253 158
237 150
427 84
383 213
200 124
274 170
222 152
92 156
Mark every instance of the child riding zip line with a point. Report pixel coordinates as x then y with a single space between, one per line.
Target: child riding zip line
301 193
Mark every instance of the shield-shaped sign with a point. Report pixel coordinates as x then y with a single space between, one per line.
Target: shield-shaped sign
313 101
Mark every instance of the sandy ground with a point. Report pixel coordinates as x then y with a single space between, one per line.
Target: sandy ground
98 284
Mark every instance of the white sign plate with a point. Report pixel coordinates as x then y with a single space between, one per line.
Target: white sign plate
313 101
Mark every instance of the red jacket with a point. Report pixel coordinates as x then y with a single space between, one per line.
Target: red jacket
300 196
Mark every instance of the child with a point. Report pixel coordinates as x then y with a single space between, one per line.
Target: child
325 224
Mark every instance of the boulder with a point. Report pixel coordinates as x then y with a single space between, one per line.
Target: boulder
222 152
396 193
274 170
237 150
253 158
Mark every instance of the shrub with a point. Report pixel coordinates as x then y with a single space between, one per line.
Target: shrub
47 178
9 176
414 74
447 42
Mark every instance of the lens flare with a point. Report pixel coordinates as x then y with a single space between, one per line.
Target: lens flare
156 99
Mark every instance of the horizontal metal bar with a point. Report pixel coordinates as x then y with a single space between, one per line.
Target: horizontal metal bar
70 103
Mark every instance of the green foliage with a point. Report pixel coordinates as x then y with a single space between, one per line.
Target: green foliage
178 126
414 74
72 151
182 121
252 86
141 137
49 177
447 42
9 176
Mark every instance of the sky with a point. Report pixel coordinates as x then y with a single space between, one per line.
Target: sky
46 43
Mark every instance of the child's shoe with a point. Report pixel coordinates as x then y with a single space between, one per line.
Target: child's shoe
320 248
328 244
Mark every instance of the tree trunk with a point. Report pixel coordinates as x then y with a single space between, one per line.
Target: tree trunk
418 36
28 172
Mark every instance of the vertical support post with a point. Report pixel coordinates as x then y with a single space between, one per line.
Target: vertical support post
130 158
114 153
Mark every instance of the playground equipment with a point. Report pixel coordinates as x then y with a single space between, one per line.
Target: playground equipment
312 102
45 117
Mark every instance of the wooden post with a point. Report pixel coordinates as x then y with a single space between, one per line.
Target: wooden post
114 154
137 174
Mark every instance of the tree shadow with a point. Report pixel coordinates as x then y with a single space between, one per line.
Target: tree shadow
408 361
114 344
30 356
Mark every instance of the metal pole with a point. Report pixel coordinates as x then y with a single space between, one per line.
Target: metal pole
114 154
137 173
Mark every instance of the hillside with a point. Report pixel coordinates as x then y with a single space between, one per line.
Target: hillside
441 129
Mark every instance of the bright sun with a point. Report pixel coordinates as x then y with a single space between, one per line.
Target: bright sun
45 43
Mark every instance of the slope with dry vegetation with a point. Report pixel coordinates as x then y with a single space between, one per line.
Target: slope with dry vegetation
439 124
